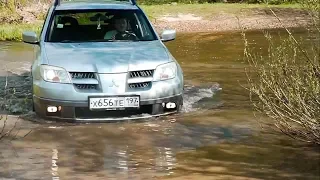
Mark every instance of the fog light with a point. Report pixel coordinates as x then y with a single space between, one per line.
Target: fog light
170 105
52 109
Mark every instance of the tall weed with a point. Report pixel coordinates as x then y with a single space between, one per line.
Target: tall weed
285 84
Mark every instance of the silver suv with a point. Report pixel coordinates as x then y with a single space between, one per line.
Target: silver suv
103 60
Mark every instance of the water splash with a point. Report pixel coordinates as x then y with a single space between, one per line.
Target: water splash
18 95
193 95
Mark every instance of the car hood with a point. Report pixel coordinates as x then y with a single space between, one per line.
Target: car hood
106 57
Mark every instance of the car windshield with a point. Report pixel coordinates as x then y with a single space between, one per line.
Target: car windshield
99 26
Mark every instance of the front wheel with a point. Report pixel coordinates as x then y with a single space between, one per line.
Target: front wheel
180 106
33 109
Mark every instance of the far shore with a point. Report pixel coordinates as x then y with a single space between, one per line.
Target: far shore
195 18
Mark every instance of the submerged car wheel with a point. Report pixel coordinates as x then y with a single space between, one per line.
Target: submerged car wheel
179 106
31 83
33 109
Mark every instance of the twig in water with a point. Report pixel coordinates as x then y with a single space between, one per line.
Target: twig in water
3 128
290 34
9 132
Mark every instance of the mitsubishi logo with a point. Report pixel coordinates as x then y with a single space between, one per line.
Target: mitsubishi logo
113 84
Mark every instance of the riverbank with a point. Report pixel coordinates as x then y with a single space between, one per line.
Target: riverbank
189 18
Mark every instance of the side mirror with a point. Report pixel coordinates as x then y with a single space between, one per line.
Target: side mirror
168 35
30 37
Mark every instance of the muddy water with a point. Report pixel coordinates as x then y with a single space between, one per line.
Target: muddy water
215 137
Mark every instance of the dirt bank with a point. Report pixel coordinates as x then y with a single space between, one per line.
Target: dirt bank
258 18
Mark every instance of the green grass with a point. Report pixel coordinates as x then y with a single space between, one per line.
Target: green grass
13 32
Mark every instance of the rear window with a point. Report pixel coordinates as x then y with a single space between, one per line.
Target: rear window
99 25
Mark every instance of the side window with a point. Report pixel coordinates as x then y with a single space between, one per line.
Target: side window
143 24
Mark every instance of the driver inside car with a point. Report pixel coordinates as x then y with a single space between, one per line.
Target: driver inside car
120 33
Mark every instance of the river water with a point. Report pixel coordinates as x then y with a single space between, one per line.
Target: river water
215 137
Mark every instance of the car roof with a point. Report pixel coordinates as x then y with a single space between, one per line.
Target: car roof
95 4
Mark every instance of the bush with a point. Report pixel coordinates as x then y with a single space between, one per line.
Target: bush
286 83
271 1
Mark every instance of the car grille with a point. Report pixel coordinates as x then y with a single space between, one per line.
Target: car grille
86 86
90 75
139 85
82 75
144 73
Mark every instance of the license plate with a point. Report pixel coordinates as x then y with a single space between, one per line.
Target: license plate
114 102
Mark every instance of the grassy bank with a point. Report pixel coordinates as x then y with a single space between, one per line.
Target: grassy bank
13 31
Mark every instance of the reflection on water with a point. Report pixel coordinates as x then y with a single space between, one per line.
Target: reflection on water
215 137
15 57
55 174
116 151
135 151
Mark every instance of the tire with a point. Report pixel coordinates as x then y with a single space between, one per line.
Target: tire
157 109
179 107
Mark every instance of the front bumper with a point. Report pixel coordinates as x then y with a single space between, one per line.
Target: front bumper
79 111
74 101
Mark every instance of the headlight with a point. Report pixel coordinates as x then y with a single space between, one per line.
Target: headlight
54 74
165 71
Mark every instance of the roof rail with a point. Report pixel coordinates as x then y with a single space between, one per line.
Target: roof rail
133 2
56 2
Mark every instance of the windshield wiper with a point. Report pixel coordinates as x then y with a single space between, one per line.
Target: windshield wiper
99 40
71 41
111 40
68 41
